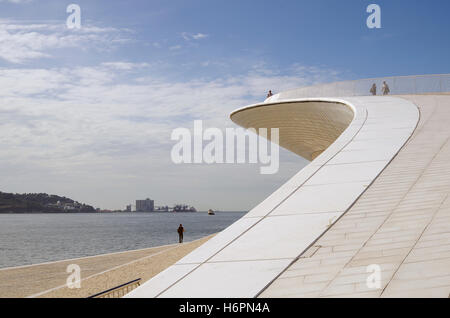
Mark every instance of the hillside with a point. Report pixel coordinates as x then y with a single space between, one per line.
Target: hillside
39 202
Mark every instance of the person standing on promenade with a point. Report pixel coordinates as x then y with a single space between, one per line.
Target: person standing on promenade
373 89
385 89
180 233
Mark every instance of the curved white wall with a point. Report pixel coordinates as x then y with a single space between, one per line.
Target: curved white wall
241 260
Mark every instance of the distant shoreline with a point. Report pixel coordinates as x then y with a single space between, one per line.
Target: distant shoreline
117 212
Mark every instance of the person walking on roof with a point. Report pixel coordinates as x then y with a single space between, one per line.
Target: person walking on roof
373 89
385 89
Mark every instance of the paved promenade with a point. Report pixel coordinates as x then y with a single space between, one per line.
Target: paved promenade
98 273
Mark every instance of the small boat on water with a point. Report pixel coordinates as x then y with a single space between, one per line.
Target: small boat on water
211 212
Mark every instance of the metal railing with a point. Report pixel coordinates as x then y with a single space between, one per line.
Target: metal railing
118 291
398 85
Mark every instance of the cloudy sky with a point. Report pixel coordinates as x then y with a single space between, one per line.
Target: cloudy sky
87 113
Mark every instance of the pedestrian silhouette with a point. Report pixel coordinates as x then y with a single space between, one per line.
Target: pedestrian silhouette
373 89
385 89
180 233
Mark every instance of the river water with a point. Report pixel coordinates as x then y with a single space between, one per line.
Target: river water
36 238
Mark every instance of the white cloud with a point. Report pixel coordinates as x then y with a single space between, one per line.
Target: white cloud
125 66
189 36
78 129
17 1
199 36
21 42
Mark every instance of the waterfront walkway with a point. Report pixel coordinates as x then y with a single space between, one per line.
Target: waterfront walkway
98 273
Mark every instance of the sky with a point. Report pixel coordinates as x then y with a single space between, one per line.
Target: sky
88 113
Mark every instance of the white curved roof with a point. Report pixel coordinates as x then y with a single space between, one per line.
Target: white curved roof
401 224
250 257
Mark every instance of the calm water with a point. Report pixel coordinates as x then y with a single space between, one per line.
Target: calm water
36 238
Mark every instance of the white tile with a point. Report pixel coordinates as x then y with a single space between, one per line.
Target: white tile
215 244
399 134
329 153
277 237
227 280
271 202
160 282
266 206
384 125
371 154
400 111
353 172
388 123
321 198
375 144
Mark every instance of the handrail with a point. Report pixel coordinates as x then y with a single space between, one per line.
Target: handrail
398 85
124 288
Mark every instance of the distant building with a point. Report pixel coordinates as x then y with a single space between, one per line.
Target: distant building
146 205
128 209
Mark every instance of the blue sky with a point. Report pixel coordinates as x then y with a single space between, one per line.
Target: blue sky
333 34
88 113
